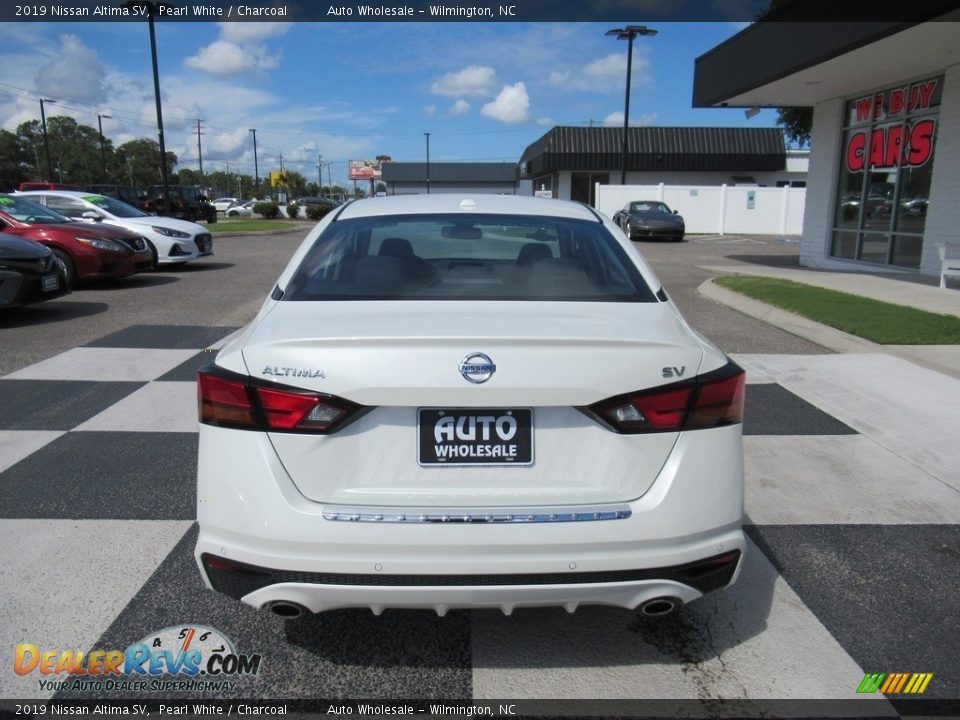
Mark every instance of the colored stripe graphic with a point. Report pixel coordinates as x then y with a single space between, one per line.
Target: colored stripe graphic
871 682
894 683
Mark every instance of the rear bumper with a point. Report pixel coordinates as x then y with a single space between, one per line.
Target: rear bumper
262 542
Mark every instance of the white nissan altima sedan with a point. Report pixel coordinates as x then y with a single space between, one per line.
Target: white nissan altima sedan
483 402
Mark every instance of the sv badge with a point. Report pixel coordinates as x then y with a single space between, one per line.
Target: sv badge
669 372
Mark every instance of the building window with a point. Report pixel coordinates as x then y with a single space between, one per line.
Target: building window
583 186
885 171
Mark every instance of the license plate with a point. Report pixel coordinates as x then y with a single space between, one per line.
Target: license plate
50 282
475 436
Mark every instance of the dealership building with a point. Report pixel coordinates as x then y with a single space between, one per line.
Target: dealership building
404 178
883 184
569 162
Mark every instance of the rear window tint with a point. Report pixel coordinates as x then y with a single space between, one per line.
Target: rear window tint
467 257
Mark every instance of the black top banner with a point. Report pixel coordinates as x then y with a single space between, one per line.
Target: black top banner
479 11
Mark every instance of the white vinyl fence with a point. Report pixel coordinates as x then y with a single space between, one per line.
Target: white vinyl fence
717 209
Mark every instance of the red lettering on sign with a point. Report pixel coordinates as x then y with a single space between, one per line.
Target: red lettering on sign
894 143
878 105
896 101
855 151
921 142
876 147
864 105
926 94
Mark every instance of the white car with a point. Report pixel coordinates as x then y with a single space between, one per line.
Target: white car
221 204
456 402
241 209
172 241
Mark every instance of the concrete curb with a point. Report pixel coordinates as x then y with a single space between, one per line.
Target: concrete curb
825 336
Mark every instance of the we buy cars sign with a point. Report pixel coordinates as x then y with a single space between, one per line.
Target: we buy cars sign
909 144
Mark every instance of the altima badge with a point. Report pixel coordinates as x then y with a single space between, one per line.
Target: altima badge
292 372
477 368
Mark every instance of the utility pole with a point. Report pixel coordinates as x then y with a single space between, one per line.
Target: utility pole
46 143
428 162
200 154
320 174
329 178
103 157
256 169
281 162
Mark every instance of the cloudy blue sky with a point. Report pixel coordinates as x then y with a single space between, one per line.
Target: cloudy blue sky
350 91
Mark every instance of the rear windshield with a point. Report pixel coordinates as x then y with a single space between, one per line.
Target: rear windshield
467 257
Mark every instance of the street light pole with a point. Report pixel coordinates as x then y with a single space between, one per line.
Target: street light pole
256 168
628 33
103 157
46 143
428 161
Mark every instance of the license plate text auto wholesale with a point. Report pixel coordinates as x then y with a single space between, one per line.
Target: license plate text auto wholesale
475 436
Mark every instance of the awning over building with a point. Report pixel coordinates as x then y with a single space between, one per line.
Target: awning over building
782 62
655 148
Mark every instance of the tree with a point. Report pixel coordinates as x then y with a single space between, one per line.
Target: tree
797 123
74 150
296 184
14 164
139 163
30 144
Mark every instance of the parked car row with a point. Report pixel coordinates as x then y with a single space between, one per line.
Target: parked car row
91 237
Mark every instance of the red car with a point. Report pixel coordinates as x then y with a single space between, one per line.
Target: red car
88 251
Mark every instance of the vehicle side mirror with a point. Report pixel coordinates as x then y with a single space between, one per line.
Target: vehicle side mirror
676 212
92 215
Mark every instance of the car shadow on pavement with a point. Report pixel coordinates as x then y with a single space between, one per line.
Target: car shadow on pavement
597 636
793 262
128 283
49 312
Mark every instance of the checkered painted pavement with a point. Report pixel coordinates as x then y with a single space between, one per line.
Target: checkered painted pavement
852 517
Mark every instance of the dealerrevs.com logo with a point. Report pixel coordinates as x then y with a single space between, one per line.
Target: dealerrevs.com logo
188 658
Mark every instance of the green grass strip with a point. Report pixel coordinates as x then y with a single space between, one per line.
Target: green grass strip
881 322
231 225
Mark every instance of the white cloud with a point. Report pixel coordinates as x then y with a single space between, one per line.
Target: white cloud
473 81
615 119
460 107
244 32
512 105
221 58
75 75
430 110
606 74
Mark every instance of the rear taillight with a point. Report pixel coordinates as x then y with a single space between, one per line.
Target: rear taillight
224 402
711 400
232 400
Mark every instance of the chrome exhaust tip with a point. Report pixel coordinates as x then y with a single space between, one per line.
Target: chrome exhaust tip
287 610
659 607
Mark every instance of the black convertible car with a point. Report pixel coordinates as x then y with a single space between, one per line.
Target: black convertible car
650 219
29 272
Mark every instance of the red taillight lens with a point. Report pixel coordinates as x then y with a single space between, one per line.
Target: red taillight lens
232 400
718 403
651 412
711 400
224 402
290 411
